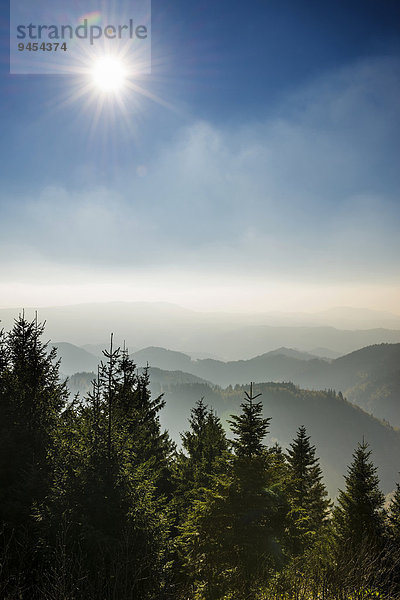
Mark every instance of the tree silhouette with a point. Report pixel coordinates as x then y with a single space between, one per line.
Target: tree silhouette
308 495
359 515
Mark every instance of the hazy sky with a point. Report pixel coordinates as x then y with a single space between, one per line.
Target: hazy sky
258 170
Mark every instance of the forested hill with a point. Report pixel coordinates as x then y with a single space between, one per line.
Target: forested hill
96 501
341 373
271 366
368 377
379 360
334 424
81 383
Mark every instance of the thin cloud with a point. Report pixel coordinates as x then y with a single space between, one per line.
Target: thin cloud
307 194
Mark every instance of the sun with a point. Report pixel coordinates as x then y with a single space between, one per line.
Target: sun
109 74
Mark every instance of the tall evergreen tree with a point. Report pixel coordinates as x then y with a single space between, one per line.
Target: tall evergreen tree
106 486
358 559
231 538
204 451
31 399
139 414
249 428
308 495
199 467
359 514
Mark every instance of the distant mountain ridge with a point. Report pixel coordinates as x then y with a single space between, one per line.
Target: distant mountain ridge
74 358
368 377
271 366
81 382
378 364
229 335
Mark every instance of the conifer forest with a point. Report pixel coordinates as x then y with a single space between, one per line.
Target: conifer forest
97 501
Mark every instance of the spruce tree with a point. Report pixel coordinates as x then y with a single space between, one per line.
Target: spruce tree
249 428
138 412
204 450
32 397
358 561
231 537
200 467
308 495
106 486
359 515
192 440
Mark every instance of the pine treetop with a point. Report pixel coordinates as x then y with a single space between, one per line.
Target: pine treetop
249 427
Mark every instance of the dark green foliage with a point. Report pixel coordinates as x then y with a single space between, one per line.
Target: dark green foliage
108 480
336 424
95 501
368 377
231 537
394 517
393 540
358 527
307 493
199 468
205 454
249 427
196 442
31 398
359 515
31 393
137 414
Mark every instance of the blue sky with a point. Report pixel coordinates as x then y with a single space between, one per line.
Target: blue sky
263 174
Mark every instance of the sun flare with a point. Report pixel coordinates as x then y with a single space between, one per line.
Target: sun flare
109 74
